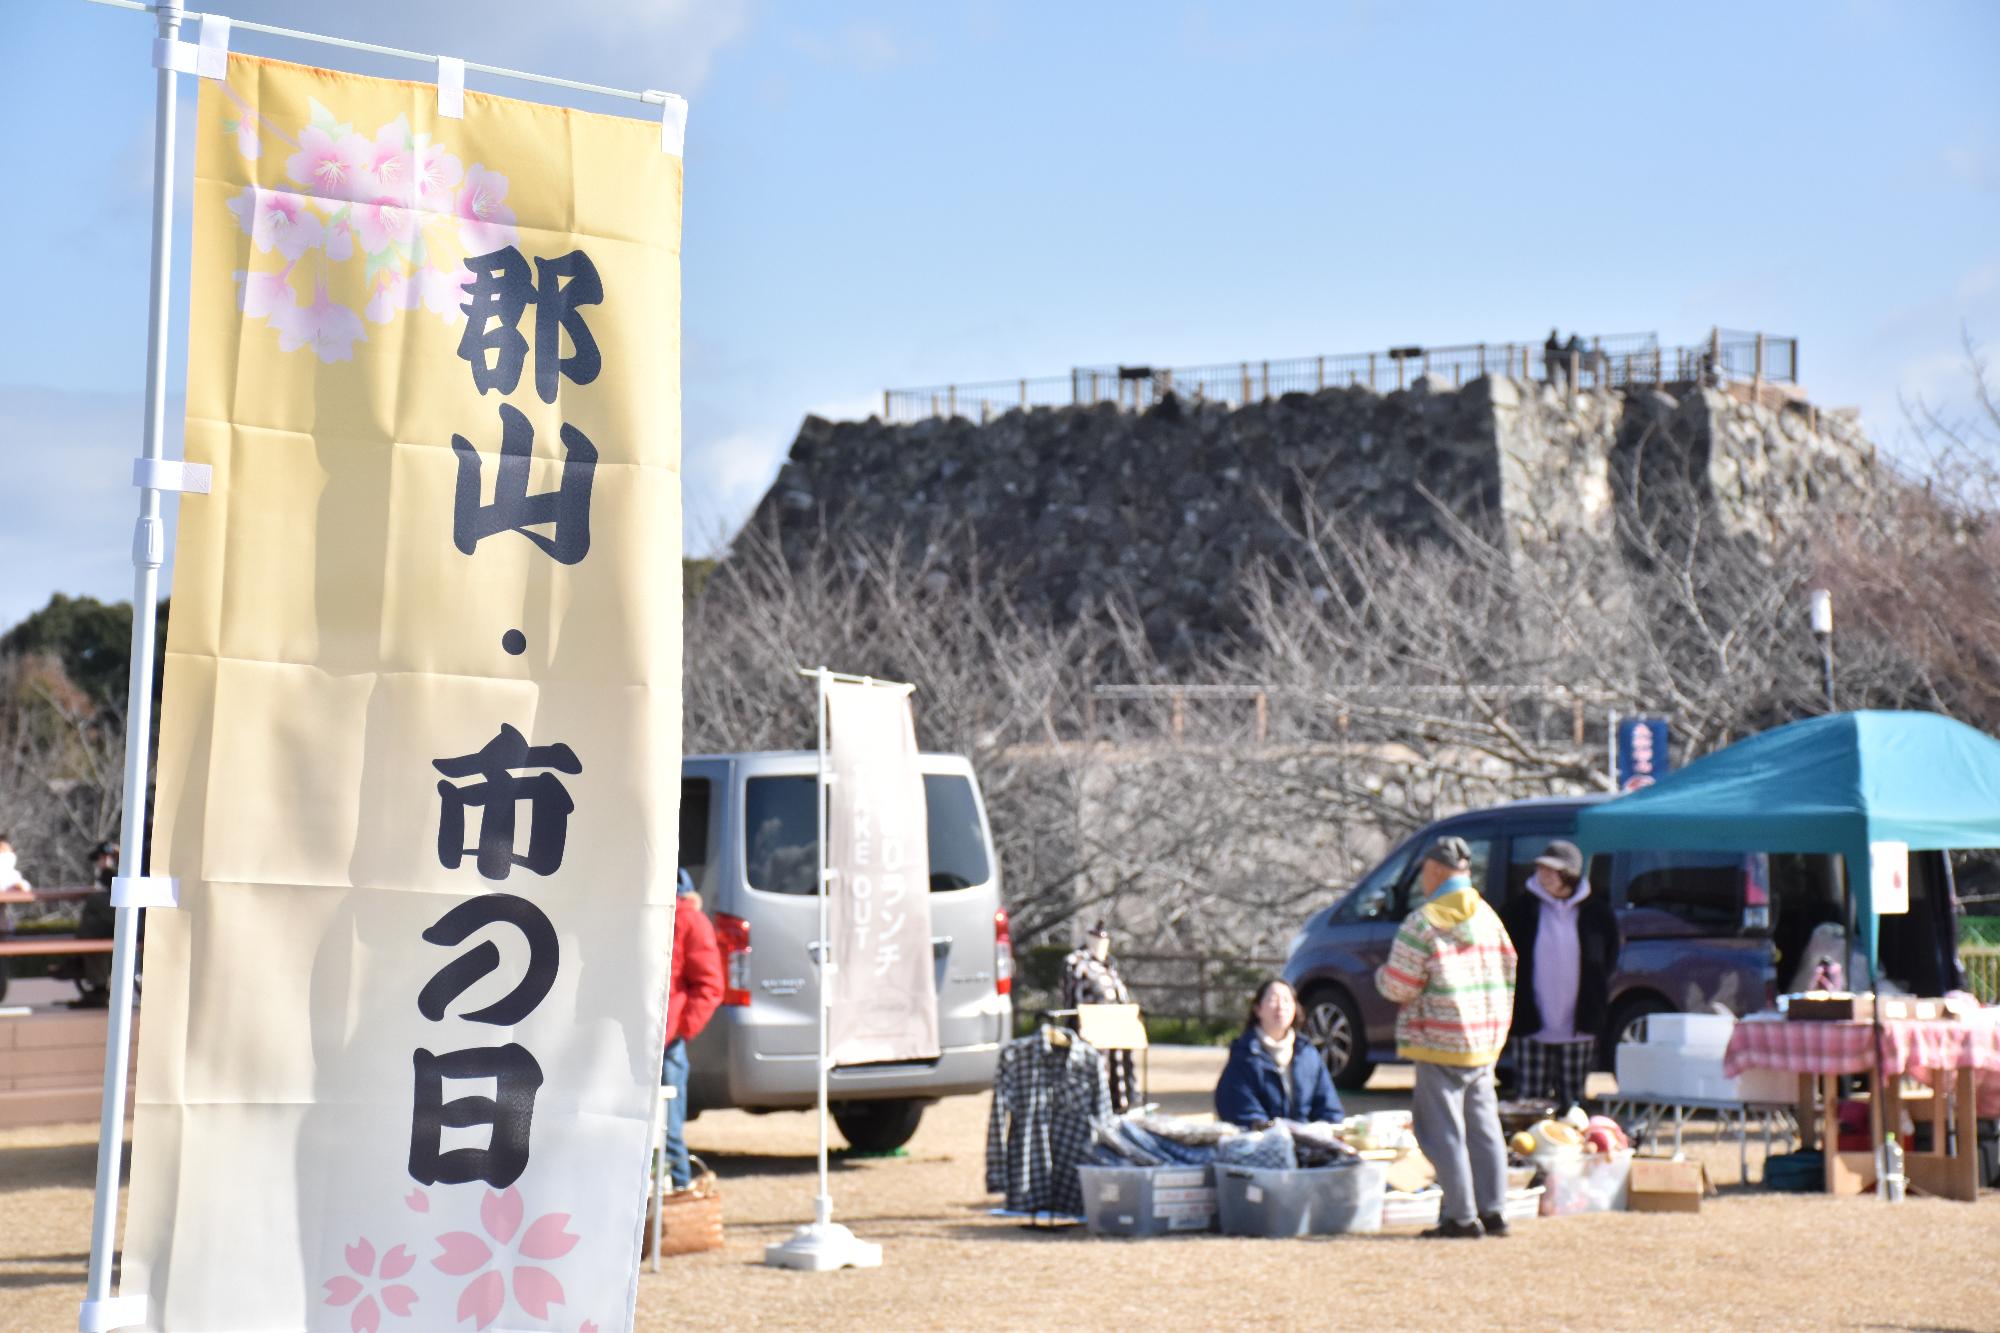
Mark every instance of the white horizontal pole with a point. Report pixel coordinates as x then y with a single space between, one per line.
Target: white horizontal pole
856 680
348 43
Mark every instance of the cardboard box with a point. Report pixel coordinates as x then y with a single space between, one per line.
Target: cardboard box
1829 1007
1838 1007
1659 1185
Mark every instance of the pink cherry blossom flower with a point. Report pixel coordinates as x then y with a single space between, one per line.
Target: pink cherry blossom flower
385 1293
535 1289
384 222
245 131
443 294
340 236
329 168
393 292
387 162
485 222
417 1201
437 175
278 220
266 294
327 326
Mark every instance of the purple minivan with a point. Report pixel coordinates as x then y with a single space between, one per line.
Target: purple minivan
1699 928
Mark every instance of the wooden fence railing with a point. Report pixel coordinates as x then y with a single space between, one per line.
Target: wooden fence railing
1982 970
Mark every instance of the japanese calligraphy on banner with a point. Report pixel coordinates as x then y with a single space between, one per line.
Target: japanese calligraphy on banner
419 752
884 994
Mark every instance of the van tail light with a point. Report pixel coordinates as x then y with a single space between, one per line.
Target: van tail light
732 934
1756 900
1003 954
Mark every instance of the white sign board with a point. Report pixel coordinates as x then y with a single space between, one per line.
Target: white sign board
1890 865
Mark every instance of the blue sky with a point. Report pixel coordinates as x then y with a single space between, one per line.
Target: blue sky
903 194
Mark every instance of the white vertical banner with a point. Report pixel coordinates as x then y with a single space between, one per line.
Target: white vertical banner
883 998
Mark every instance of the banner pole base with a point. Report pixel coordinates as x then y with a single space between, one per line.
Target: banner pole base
822 1247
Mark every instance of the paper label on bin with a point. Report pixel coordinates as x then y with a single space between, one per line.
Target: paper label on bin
1167 1198
1107 1193
1178 1180
1254 1193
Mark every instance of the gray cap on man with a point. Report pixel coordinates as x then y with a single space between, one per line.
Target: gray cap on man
1564 857
1450 852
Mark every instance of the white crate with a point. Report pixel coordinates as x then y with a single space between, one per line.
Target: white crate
1638 1067
1421 1209
1699 1031
1658 1070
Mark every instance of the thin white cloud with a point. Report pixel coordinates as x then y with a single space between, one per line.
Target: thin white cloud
866 48
638 44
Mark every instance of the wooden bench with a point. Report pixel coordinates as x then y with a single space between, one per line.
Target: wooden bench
51 946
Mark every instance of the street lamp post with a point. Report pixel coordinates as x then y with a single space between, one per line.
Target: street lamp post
1822 628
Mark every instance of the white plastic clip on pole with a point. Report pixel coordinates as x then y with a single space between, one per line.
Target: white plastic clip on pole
171 474
209 58
145 891
451 87
107 1316
673 122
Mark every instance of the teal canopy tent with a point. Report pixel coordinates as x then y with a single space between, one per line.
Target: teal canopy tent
1827 784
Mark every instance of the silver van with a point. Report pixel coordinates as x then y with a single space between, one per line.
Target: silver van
748 839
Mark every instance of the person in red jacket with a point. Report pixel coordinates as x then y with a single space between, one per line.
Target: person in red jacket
694 991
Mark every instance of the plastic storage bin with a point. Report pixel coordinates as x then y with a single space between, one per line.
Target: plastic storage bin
1592 1183
1147 1200
1324 1201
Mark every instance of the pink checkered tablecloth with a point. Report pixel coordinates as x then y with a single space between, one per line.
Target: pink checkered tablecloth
1909 1047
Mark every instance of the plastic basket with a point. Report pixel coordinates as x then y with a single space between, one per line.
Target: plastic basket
1320 1201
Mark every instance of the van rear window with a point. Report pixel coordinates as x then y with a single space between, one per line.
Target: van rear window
1701 888
693 847
781 834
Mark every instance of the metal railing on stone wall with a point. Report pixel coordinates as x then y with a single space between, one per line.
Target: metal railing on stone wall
1608 361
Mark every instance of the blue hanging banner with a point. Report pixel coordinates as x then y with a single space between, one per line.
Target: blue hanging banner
1642 752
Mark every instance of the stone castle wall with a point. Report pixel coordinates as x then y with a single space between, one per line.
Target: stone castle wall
1170 507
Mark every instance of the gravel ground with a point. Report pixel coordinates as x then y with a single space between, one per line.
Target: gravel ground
1747 1260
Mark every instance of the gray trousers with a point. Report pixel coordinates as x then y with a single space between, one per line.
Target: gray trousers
1458 1126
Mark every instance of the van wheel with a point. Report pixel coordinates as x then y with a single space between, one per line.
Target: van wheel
1331 1023
878 1126
1627 1023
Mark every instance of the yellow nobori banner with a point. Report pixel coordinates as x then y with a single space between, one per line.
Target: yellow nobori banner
419 749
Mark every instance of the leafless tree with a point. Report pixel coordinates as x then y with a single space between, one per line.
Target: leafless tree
61 769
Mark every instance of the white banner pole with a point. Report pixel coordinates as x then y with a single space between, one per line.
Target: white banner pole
823 1201
99 1311
823 1245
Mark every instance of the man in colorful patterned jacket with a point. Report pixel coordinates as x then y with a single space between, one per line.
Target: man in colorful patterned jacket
1452 972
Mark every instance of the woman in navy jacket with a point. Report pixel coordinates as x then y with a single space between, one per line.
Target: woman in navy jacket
1273 1073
